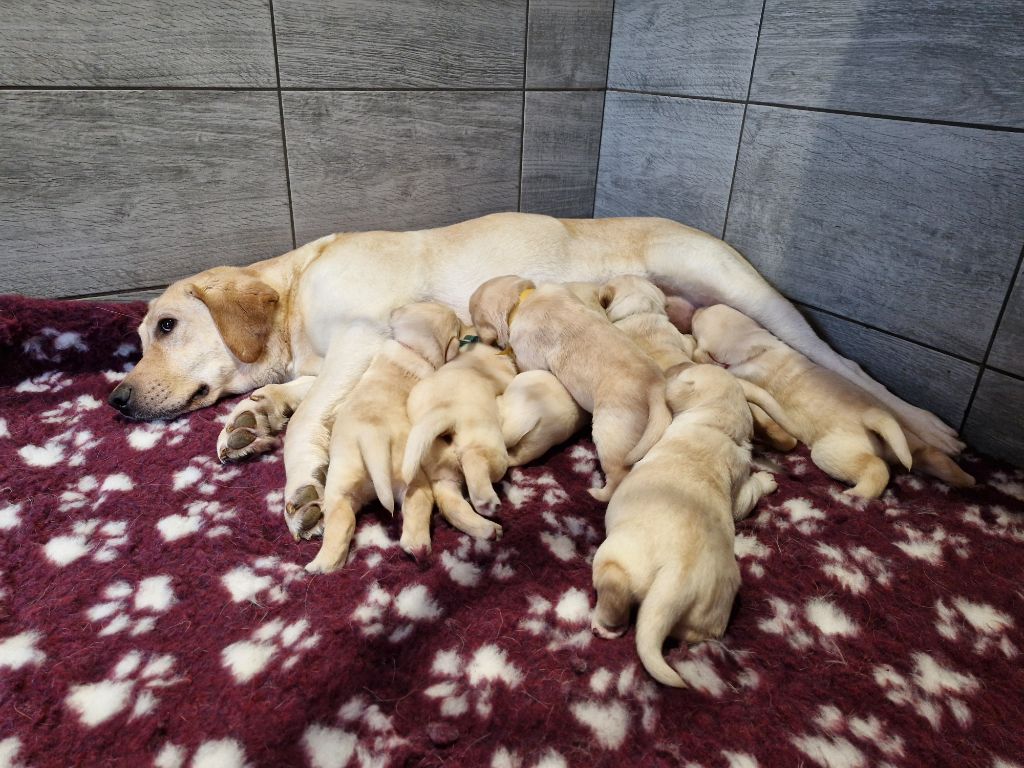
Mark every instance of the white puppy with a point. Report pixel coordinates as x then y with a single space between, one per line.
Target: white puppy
537 413
849 431
550 329
460 400
670 525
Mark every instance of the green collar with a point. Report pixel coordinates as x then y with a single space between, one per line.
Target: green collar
467 340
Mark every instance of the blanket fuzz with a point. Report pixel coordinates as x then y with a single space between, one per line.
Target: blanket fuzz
154 611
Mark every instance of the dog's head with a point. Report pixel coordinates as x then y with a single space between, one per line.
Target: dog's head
492 303
429 329
628 295
727 337
203 338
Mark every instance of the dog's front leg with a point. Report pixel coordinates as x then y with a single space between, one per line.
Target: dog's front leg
253 425
309 432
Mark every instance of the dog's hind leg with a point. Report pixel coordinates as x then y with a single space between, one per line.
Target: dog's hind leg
853 461
417 508
614 599
483 466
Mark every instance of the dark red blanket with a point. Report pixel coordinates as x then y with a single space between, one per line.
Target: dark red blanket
154 609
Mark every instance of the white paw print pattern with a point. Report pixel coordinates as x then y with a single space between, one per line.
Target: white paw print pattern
362 730
504 757
274 640
412 604
983 625
930 686
848 741
148 436
21 650
202 473
584 462
617 701
51 381
49 343
460 566
796 514
10 516
72 444
100 540
199 514
751 553
855 568
821 621
90 492
570 537
521 488
266 581
215 753
470 683
1010 483
931 547
132 684
713 668
1004 525
566 624
133 609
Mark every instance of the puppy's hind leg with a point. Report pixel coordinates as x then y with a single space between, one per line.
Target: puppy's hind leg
614 437
614 599
481 467
339 527
852 460
417 507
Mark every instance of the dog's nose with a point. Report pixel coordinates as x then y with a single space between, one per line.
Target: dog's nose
120 397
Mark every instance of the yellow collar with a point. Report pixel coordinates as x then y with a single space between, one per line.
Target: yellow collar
511 315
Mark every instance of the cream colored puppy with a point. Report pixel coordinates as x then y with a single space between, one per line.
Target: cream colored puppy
550 329
460 400
849 430
537 413
370 431
640 309
670 529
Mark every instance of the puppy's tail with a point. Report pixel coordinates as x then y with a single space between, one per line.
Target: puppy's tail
375 448
421 437
763 399
884 424
658 418
666 602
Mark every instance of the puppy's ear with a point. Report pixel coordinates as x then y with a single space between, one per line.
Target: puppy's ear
452 350
606 295
243 311
678 392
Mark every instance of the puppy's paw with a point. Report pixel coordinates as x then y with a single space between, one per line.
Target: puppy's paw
608 633
487 505
254 424
601 494
417 546
767 481
326 563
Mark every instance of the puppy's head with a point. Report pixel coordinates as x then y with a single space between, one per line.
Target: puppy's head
727 336
588 293
492 303
631 295
203 338
429 329
693 386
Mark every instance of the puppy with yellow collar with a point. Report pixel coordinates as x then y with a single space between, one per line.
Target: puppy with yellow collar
549 328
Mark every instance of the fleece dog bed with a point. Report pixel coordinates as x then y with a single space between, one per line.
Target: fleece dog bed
154 609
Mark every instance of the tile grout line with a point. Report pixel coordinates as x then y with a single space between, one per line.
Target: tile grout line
743 122
280 112
604 108
992 340
290 88
522 114
102 294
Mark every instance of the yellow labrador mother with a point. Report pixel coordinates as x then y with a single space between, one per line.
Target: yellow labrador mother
307 323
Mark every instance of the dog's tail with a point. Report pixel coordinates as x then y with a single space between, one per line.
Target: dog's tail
375 447
763 399
884 424
666 602
421 437
658 418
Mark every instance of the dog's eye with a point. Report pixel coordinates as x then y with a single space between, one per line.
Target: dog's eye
166 325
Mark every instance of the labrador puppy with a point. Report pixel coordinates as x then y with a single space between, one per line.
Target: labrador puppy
537 413
640 309
608 375
850 432
460 401
670 525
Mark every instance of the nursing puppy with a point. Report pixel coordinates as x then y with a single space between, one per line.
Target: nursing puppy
370 431
460 400
670 525
640 309
849 431
537 413
550 329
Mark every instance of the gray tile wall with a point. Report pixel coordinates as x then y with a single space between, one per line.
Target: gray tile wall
143 141
866 155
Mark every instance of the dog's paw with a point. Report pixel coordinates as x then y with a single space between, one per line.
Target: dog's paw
487 505
254 424
416 546
767 481
325 563
303 512
608 633
601 494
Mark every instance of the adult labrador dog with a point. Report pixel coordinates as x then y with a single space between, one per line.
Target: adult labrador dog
302 327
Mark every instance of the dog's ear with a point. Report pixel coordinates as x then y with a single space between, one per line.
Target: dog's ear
452 350
243 311
606 295
678 390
